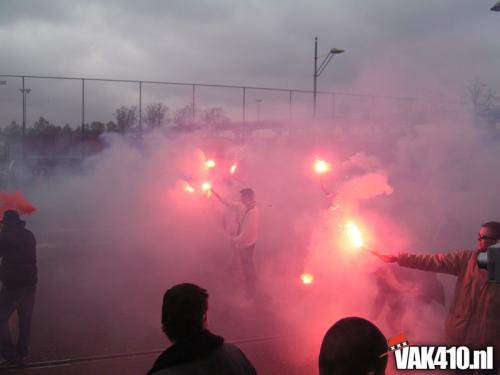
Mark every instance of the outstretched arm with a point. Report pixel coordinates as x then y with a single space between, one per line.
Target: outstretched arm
230 205
449 263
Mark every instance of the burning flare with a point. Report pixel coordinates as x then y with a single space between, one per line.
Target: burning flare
210 163
206 188
233 168
189 188
306 278
354 234
321 166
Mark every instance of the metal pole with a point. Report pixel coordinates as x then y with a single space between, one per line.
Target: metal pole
315 74
140 107
290 104
333 105
244 94
193 103
83 109
24 107
26 92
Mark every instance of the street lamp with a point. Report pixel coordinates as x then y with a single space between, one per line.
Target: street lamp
258 101
24 92
496 7
319 69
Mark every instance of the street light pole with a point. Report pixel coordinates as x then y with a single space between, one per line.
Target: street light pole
24 93
319 69
315 74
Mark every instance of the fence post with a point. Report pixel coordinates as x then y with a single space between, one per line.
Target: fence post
83 109
244 105
193 103
140 107
24 107
333 105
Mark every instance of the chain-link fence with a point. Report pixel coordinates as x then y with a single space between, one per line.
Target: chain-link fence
90 104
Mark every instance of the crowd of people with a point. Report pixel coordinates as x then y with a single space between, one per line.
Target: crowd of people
352 345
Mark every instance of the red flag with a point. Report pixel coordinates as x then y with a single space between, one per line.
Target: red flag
15 201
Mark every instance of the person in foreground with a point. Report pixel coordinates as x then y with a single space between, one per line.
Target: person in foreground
195 350
474 316
353 346
18 274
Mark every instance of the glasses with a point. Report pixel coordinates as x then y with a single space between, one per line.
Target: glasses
481 238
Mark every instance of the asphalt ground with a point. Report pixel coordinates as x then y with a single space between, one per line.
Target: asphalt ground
90 319
97 314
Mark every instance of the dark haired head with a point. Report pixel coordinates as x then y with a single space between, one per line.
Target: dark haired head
494 228
248 193
353 346
184 311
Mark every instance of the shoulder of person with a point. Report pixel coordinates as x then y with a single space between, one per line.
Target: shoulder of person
233 351
237 355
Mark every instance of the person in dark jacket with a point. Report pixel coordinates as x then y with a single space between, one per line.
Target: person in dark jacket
18 274
195 349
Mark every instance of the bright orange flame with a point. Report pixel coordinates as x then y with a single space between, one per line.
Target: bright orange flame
307 278
354 234
321 166
206 188
210 163
233 168
189 188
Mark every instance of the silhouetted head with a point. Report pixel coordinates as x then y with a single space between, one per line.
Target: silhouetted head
184 311
11 218
247 196
353 346
489 234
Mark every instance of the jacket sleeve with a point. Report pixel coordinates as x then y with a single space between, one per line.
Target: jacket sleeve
2 244
450 263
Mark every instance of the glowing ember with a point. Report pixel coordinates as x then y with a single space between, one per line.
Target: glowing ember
306 278
233 168
210 163
189 188
354 234
321 166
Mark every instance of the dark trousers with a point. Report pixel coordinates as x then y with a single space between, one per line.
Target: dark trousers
22 300
246 260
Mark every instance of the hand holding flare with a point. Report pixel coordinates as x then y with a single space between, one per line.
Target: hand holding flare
356 238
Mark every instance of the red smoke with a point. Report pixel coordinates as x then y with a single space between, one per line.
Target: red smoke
15 201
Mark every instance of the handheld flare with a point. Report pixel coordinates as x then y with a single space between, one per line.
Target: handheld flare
306 278
321 166
210 163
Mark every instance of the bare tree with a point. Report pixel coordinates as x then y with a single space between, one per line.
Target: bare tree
214 116
186 117
126 117
156 115
481 97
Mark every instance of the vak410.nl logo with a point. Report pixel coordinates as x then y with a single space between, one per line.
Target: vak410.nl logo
419 357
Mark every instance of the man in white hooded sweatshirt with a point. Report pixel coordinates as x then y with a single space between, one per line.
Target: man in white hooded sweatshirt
246 234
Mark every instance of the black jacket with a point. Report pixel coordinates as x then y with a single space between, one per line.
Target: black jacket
204 353
18 253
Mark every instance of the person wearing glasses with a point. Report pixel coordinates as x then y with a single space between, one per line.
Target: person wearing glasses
474 316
